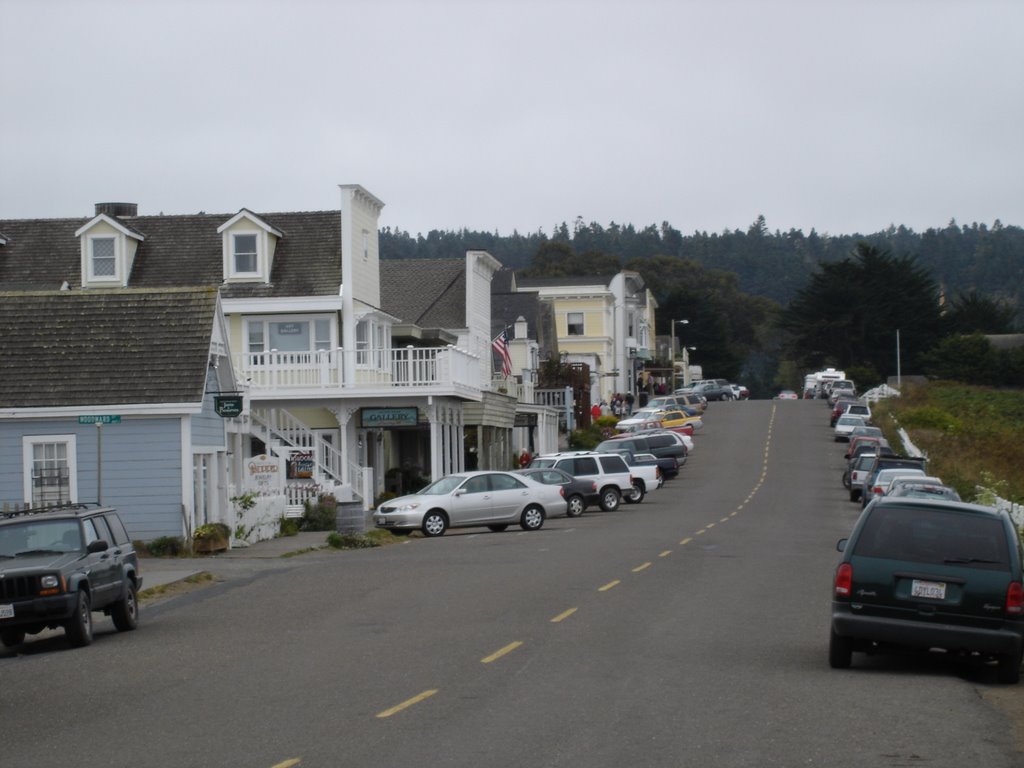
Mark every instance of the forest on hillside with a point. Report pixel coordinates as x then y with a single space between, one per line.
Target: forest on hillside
988 259
762 306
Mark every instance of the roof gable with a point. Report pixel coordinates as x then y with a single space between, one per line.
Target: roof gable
428 292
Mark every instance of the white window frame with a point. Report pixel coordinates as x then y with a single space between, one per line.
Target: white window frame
233 270
90 259
569 324
316 323
373 340
28 444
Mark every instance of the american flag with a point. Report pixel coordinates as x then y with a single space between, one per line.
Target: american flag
500 345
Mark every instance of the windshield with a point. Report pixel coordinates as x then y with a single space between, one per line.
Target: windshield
443 486
39 536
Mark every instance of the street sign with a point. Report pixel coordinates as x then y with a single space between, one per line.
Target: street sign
107 419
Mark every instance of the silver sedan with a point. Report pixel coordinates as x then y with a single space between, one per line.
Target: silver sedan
484 498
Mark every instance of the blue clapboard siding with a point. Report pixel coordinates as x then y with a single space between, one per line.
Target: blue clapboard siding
142 473
208 428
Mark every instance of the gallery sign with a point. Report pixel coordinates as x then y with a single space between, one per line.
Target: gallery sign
371 418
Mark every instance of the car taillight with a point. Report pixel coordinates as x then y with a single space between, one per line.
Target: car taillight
1015 598
844 580
593 486
561 490
657 471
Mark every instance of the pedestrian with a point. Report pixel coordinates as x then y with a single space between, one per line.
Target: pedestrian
595 411
629 403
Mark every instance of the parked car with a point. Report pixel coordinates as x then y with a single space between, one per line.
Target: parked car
859 467
59 565
839 388
879 462
609 472
858 409
680 438
690 399
739 392
660 443
838 409
901 479
845 425
646 474
467 499
925 491
924 574
878 483
712 389
576 489
787 394
668 466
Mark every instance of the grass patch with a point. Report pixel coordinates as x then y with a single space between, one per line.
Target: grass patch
188 584
972 435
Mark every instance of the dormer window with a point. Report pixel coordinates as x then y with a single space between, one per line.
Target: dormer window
102 258
249 245
108 248
246 256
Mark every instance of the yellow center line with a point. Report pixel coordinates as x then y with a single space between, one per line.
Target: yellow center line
701 532
288 763
641 567
666 553
563 615
710 525
724 520
609 585
733 514
406 704
687 540
501 652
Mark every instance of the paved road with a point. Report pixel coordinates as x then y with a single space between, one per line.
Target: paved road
690 630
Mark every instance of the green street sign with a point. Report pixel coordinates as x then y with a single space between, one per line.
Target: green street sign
108 419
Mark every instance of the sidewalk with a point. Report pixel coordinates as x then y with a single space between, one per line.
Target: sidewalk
159 571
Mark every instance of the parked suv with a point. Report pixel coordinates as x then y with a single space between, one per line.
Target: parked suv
58 565
662 444
609 471
925 574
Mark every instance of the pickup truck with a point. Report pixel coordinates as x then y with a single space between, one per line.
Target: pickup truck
647 475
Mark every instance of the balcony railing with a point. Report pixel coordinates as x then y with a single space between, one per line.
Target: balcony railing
398 367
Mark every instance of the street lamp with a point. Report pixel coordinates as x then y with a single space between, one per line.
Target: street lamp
681 322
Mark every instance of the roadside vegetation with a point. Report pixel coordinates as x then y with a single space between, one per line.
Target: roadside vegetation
973 436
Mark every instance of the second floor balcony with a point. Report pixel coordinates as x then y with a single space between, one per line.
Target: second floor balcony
443 371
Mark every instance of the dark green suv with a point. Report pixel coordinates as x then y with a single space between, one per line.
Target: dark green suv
58 565
925 574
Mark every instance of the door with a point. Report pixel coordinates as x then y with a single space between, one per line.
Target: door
471 502
509 497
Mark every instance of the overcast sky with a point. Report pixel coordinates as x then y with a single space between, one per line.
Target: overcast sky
505 115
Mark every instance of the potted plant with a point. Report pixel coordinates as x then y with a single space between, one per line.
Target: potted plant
211 537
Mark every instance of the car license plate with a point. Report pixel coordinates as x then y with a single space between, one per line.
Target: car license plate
6 611
935 590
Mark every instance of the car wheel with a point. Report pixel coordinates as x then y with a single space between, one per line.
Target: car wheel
434 523
126 612
854 495
610 498
1008 671
840 651
79 626
846 480
636 494
575 506
532 519
498 527
12 637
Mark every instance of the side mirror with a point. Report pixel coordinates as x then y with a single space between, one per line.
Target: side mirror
841 545
100 545
460 491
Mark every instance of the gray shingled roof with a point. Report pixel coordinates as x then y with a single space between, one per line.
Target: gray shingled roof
41 254
105 347
428 292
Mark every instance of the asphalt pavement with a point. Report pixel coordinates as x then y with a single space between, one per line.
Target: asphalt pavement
160 571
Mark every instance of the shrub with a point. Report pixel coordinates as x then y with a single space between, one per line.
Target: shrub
212 531
351 541
289 526
930 417
164 546
385 496
319 515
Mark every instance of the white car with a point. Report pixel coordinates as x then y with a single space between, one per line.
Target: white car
846 424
